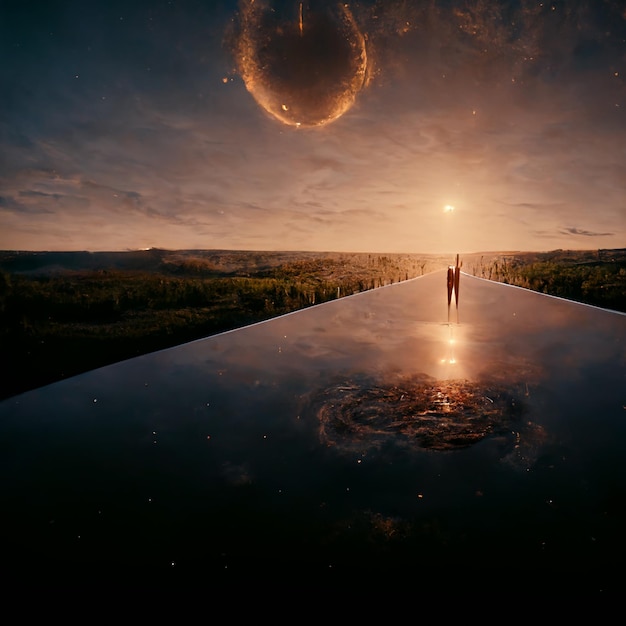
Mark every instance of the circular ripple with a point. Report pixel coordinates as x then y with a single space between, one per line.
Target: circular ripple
420 412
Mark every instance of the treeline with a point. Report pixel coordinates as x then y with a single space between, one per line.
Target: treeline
56 325
596 278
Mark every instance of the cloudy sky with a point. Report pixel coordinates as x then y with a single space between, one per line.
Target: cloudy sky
140 124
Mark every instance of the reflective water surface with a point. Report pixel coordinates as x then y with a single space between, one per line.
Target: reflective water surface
365 441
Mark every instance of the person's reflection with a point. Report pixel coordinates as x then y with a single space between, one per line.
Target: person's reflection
450 287
450 358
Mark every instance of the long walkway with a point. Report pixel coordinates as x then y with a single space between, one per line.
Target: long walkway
367 440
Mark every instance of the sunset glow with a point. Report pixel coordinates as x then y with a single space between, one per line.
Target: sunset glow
313 126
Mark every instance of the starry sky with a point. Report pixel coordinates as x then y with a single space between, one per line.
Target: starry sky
127 125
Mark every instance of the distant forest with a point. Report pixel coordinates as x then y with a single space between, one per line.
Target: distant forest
64 313
592 277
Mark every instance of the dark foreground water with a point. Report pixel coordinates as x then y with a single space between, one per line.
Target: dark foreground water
362 443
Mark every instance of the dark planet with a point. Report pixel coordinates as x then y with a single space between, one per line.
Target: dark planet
304 64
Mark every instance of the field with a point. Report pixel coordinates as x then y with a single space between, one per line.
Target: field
596 277
64 313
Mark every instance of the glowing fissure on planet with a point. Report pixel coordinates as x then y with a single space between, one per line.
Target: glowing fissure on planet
304 66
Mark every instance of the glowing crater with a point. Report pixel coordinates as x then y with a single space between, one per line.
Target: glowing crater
305 69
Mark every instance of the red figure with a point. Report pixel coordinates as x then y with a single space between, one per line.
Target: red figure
457 277
450 287
453 279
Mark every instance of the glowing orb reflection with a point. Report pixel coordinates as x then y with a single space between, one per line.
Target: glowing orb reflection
416 412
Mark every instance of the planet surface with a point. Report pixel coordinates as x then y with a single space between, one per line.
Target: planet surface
305 64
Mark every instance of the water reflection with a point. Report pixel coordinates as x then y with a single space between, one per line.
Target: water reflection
363 437
416 412
450 347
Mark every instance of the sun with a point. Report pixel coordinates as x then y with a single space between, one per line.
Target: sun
448 208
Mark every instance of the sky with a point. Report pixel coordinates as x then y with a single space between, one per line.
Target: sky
397 126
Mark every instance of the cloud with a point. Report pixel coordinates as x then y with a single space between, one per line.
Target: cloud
10 204
506 110
584 233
